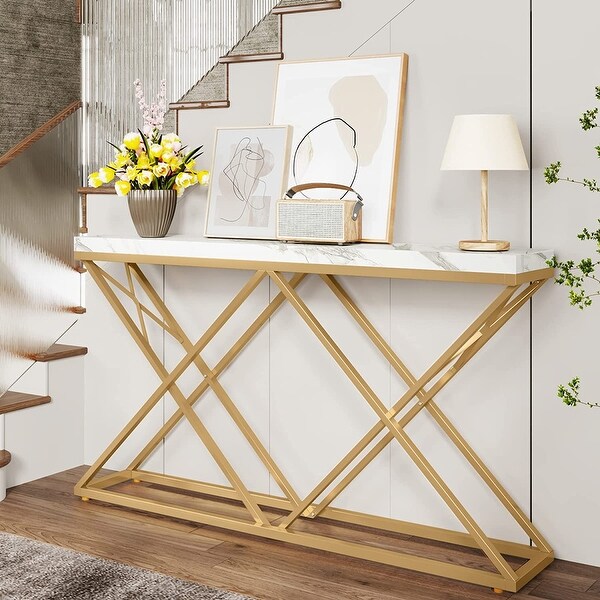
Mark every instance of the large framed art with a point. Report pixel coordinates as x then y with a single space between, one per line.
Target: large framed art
347 122
249 174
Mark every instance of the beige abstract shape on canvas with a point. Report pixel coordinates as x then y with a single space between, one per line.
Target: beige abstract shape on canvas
362 102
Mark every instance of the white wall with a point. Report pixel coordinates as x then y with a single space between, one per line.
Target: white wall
566 441
465 56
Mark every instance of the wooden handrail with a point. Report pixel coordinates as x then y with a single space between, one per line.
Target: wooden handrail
38 133
83 192
105 189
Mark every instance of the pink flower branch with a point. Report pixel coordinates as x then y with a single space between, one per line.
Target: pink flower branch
153 113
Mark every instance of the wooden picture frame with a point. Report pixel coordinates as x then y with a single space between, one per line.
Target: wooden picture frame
248 176
347 116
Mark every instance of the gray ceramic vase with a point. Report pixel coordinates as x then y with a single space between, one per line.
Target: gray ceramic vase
152 211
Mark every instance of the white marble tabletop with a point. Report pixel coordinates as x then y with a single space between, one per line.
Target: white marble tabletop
390 260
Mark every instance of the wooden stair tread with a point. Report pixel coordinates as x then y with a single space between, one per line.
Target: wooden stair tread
307 7
5 458
105 189
258 57
12 401
199 104
60 351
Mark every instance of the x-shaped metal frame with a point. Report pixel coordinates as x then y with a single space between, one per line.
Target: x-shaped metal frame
391 426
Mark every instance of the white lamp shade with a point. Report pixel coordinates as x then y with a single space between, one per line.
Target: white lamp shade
484 142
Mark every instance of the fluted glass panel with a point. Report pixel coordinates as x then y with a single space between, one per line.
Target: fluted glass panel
39 286
151 40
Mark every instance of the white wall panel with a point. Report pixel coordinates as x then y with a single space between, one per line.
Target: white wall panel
197 297
488 403
461 62
317 415
340 32
566 442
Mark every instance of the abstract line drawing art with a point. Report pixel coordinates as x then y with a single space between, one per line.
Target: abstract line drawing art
245 172
250 170
346 116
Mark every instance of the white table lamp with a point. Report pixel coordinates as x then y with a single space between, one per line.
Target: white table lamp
484 143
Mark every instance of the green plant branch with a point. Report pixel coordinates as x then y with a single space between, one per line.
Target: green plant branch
551 175
576 275
569 394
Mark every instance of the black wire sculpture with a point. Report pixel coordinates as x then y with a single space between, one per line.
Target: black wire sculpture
354 142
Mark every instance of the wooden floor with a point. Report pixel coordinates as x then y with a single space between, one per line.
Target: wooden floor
47 510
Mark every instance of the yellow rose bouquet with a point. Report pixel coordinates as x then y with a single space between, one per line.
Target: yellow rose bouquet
149 160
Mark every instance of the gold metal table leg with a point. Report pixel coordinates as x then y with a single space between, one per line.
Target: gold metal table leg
390 426
171 387
227 359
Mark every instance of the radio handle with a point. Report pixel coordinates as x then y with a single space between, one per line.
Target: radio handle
336 186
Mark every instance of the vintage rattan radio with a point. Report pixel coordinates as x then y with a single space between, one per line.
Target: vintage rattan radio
326 221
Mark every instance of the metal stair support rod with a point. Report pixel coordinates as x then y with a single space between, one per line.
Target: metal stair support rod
2 469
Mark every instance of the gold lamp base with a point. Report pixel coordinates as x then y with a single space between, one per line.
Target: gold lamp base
487 246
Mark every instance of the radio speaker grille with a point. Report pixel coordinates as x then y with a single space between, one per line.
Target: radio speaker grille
311 220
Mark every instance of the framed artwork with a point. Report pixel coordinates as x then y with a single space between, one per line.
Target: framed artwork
347 121
249 174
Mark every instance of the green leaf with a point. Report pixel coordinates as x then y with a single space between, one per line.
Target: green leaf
551 172
588 119
145 140
193 154
569 394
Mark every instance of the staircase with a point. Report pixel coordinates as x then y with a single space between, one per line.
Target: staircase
40 100
52 379
263 42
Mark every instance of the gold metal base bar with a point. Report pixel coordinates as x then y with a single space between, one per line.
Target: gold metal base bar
336 514
101 483
536 560
390 427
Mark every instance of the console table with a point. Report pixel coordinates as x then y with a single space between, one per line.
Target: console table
519 273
